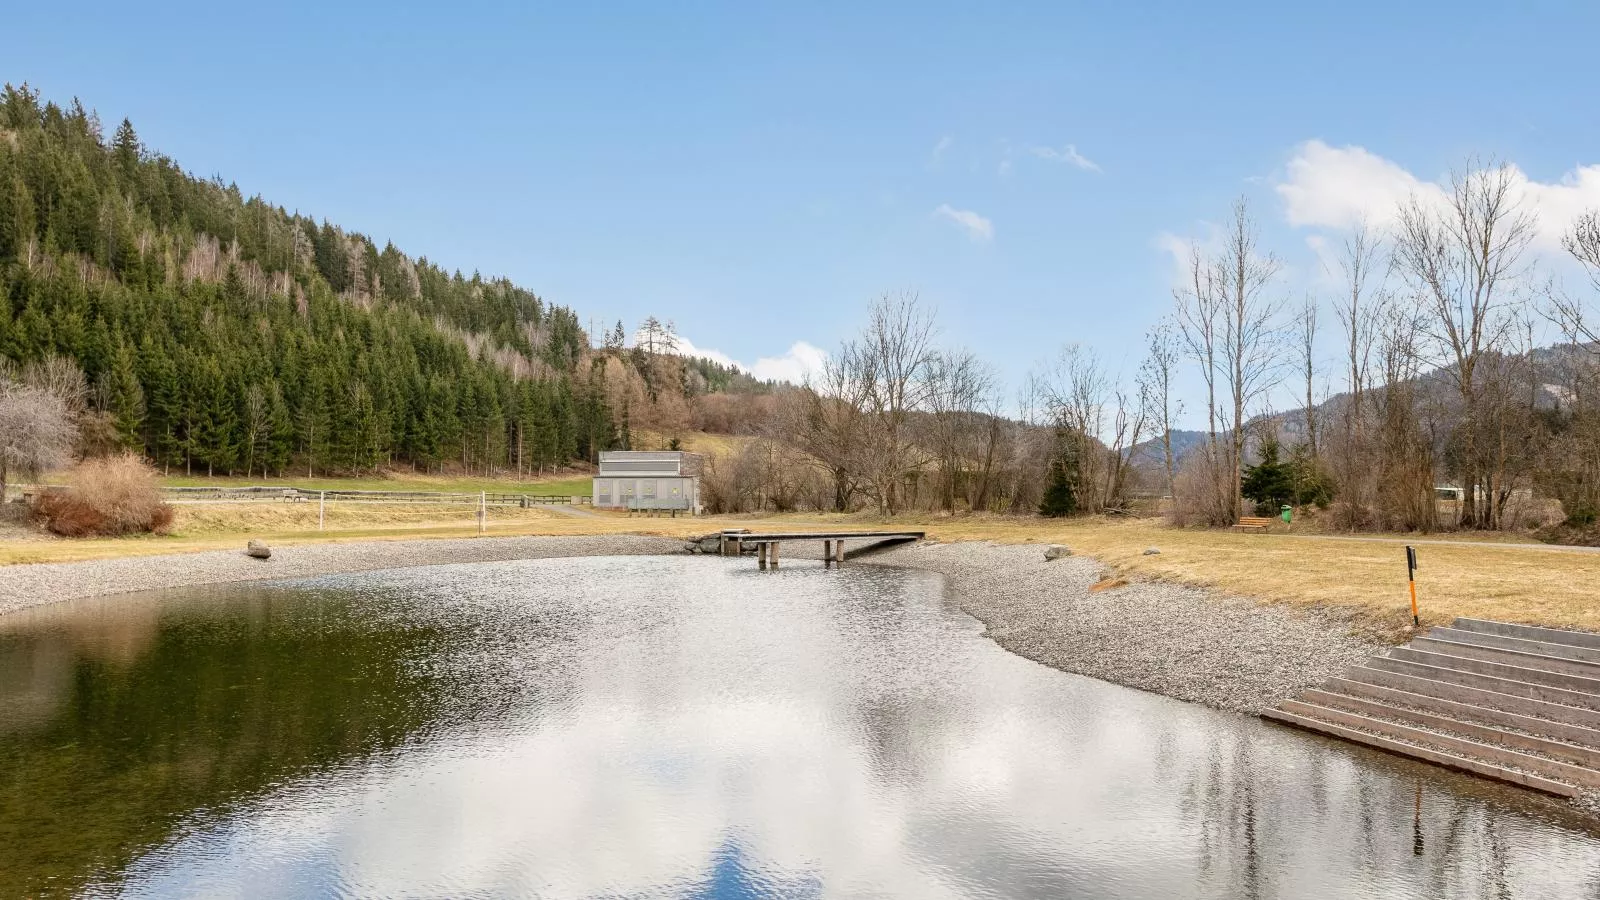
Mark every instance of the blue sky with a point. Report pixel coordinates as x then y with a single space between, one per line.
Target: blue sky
759 172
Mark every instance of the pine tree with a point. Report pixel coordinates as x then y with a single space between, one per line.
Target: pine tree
1270 483
124 397
126 151
1059 497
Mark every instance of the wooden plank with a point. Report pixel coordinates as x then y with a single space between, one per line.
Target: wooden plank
1383 709
1530 632
1506 642
1521 658
1526 674
1535 716
1487 682
1476 749
819 535
1448 760
1484 697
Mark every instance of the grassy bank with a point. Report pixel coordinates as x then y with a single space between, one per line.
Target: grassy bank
1366 576
549 487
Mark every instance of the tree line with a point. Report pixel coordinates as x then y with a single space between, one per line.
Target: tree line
1430 401
221 334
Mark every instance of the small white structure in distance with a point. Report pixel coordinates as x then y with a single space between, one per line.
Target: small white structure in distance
648 479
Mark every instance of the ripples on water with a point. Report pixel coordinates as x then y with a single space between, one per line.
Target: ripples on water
680 727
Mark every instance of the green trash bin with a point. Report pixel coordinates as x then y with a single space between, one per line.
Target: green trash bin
1288 515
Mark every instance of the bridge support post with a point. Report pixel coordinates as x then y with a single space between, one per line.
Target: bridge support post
761 555
838 552
773 554
827 554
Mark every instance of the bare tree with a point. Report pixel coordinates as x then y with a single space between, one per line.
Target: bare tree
1405 464
1230 322
1251 335
257 426
1572 314
1462 261
1306 343
897 356
1199 317
1362 306
1156 391
958 386
830 422
36 428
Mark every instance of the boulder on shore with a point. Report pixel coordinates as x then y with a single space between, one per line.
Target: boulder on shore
1152 551
257 550
1056 551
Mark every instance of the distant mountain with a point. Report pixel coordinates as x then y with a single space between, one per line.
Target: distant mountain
1554 367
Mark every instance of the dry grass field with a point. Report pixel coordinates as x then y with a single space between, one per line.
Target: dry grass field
1365 576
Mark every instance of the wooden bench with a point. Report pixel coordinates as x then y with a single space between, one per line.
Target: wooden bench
1253 523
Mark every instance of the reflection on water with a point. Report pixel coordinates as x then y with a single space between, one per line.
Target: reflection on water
672 727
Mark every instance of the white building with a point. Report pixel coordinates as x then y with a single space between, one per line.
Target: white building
645 479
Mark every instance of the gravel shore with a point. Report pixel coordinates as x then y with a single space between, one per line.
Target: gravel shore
1191 644
1183 642
34 584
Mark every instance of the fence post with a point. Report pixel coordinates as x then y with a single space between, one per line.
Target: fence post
322 506
483 510
1411 579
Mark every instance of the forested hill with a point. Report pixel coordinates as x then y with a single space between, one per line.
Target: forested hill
223 333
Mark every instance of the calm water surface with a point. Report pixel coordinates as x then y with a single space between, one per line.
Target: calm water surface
680 727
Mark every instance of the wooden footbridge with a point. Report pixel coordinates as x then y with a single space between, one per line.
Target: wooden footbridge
732 543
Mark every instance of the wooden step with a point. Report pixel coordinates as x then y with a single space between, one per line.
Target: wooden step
1489 753
1520 658
1530 632
1574 683
1461 726
1466 703
1449 760
1489 639
1487 682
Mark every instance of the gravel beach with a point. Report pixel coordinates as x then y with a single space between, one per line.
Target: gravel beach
1188 643
1183 642
34 584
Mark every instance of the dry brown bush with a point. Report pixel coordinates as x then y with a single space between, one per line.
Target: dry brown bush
112 495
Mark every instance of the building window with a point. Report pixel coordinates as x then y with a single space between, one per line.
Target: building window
602 489
647 488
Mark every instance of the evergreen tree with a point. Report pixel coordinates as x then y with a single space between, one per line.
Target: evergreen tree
220 338
1270 483
126 151
1059 497
124 397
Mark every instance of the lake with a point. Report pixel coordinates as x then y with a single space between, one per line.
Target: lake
681 727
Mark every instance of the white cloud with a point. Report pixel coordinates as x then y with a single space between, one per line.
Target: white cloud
938 151
1068 154
977 227
793 365
1336 187
801 361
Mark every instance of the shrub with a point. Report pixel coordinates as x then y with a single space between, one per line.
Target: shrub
109 496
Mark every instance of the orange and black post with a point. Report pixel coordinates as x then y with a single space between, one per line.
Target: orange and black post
1411 578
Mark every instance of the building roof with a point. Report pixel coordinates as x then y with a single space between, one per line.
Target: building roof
649 462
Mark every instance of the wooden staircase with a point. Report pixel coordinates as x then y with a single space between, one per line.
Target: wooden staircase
1510 702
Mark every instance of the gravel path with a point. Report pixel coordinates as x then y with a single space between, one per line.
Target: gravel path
1183 642
31 585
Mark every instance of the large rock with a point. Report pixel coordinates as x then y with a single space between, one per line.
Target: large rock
1056 551
257 550
1152 551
